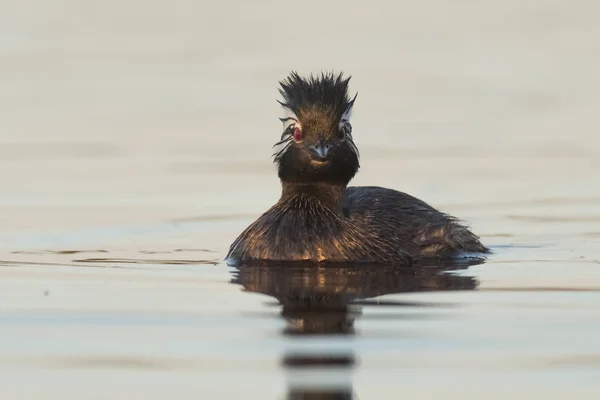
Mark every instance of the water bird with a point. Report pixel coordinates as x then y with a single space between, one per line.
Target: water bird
319 218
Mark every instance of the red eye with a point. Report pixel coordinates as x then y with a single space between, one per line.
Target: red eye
297 134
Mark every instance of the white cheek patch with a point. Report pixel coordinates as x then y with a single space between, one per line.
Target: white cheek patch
345 127
281 147
288 119
344 124
347 114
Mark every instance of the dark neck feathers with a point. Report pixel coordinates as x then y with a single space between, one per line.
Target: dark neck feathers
330 195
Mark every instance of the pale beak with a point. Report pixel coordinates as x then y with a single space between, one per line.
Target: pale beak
320 149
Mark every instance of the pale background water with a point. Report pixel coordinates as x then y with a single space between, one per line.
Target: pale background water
140 134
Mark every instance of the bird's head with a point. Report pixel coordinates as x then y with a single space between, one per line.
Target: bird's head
316 145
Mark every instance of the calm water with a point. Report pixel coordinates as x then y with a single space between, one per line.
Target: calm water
134 147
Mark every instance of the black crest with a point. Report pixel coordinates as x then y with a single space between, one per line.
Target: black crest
328 91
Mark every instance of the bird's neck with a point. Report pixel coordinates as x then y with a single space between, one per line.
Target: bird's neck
327 193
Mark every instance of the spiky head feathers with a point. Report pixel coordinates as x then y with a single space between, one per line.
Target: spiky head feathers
327 92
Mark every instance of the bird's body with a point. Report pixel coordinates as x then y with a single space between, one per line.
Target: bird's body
319 218
370 225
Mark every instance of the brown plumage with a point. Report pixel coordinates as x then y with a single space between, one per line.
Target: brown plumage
318 218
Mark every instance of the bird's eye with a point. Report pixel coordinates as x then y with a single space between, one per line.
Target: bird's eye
297 134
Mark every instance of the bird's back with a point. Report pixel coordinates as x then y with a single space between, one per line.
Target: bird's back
417 227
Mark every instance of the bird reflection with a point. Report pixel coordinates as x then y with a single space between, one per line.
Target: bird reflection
327 301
